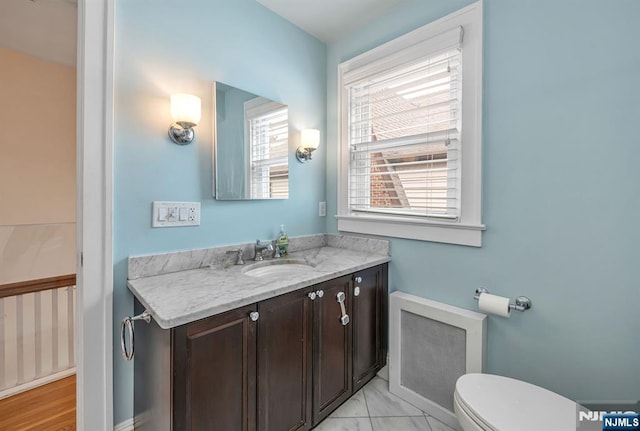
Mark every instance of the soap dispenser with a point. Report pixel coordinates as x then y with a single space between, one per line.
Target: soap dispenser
283 241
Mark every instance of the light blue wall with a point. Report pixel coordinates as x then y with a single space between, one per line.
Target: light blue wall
171 46
561 182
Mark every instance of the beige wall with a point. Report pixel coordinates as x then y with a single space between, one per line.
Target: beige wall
37 167
38 140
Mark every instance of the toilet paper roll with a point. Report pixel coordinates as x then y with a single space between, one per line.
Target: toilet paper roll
494 304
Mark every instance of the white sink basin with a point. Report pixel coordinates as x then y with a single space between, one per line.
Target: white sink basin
280 268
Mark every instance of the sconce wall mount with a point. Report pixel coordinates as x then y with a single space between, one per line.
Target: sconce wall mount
186 111
181 132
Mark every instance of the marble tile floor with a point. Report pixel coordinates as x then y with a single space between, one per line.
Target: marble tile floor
374 408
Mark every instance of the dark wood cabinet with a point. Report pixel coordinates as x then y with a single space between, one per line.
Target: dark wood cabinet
215 373
331 347
283 364
369 323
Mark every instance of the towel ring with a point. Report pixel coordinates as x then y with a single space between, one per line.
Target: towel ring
127 325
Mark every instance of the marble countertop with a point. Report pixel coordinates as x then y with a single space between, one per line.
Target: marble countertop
181 297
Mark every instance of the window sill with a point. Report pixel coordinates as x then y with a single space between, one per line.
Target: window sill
417 229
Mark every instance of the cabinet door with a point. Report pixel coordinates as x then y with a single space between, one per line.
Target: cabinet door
284 362
331 348
369 343
215 373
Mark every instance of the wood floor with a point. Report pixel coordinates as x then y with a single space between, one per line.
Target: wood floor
50 407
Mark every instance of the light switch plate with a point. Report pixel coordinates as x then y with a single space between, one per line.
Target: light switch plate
322 209
174 214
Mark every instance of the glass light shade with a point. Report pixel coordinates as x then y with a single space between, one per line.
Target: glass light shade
310 138
186 108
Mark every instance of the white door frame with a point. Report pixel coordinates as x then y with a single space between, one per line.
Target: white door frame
94 310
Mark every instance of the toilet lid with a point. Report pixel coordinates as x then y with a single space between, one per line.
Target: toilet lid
504 404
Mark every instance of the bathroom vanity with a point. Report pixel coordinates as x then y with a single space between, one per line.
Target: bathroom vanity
281 354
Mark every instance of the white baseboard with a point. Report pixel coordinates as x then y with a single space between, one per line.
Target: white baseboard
36 383
125 426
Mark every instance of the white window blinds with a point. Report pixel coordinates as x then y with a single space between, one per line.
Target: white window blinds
268 133
404 136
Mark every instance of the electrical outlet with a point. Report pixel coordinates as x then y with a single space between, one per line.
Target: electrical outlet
174 214
322 209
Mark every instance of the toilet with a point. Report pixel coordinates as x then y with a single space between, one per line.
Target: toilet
486 402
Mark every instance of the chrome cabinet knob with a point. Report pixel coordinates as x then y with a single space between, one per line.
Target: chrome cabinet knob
320 293
312 295
254 315
356 291
358 279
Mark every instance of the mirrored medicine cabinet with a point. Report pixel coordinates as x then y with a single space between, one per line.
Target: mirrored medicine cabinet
251 145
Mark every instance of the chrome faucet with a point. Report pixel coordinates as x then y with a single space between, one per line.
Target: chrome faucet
260 247
276 249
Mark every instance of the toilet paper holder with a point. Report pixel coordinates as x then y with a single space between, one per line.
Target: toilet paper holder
522 302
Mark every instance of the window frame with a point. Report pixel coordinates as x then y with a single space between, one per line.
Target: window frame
467 228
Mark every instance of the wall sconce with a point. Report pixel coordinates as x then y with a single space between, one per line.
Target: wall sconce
186 112
309 140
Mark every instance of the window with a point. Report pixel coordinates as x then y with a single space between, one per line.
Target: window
403 139
268 138
410 134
